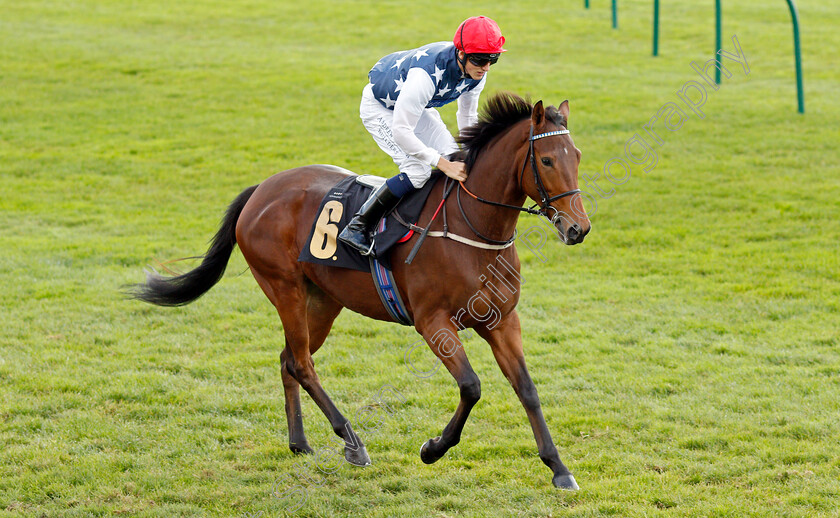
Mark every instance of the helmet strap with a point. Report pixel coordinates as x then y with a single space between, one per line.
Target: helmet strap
463 63
464 50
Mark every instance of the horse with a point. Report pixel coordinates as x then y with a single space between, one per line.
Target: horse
271 222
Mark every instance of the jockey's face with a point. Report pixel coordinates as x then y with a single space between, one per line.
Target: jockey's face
471 69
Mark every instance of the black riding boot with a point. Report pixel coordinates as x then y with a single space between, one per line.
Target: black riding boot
357 233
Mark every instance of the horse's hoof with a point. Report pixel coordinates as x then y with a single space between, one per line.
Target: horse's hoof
300 448
566 482
425 452
357 457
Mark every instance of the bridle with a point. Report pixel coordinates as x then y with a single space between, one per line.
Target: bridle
545 198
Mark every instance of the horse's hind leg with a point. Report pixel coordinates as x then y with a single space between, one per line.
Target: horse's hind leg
506 342
321 313
441 336
294 418
293 302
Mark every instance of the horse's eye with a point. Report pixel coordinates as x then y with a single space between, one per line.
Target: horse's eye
546 162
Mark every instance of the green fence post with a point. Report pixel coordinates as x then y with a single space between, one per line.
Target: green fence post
717 39
655 28
586 3
800 95
615 14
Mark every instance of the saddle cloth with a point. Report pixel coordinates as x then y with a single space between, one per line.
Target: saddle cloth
337 209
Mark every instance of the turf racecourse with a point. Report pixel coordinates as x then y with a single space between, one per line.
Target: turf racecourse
686 353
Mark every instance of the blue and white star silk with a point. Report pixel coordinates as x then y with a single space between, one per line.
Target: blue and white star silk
437 74
439 60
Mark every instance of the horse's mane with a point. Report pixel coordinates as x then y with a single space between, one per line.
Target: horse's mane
502 111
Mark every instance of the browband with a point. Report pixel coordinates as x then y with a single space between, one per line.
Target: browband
550 134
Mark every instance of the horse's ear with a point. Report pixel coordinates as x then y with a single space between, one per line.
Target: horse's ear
564 109
538 114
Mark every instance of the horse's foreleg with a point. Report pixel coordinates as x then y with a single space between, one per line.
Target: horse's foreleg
442 337
506 342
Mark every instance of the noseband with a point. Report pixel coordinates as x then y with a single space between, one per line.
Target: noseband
545 198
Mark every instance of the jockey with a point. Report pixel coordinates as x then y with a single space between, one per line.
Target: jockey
397 110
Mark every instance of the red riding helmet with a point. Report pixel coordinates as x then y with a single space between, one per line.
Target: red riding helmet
479 35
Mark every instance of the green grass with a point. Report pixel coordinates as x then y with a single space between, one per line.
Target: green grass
686 354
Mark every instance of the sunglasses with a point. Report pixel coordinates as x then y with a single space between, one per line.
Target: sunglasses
481 60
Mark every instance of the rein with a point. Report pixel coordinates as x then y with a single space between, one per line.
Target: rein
545 198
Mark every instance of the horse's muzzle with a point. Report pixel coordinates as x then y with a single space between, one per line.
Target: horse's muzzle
574 234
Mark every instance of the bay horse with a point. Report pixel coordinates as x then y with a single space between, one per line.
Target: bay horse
271 223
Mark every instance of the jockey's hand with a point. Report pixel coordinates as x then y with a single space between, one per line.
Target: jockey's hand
454 170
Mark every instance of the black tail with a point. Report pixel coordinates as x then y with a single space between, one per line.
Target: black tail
183 289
